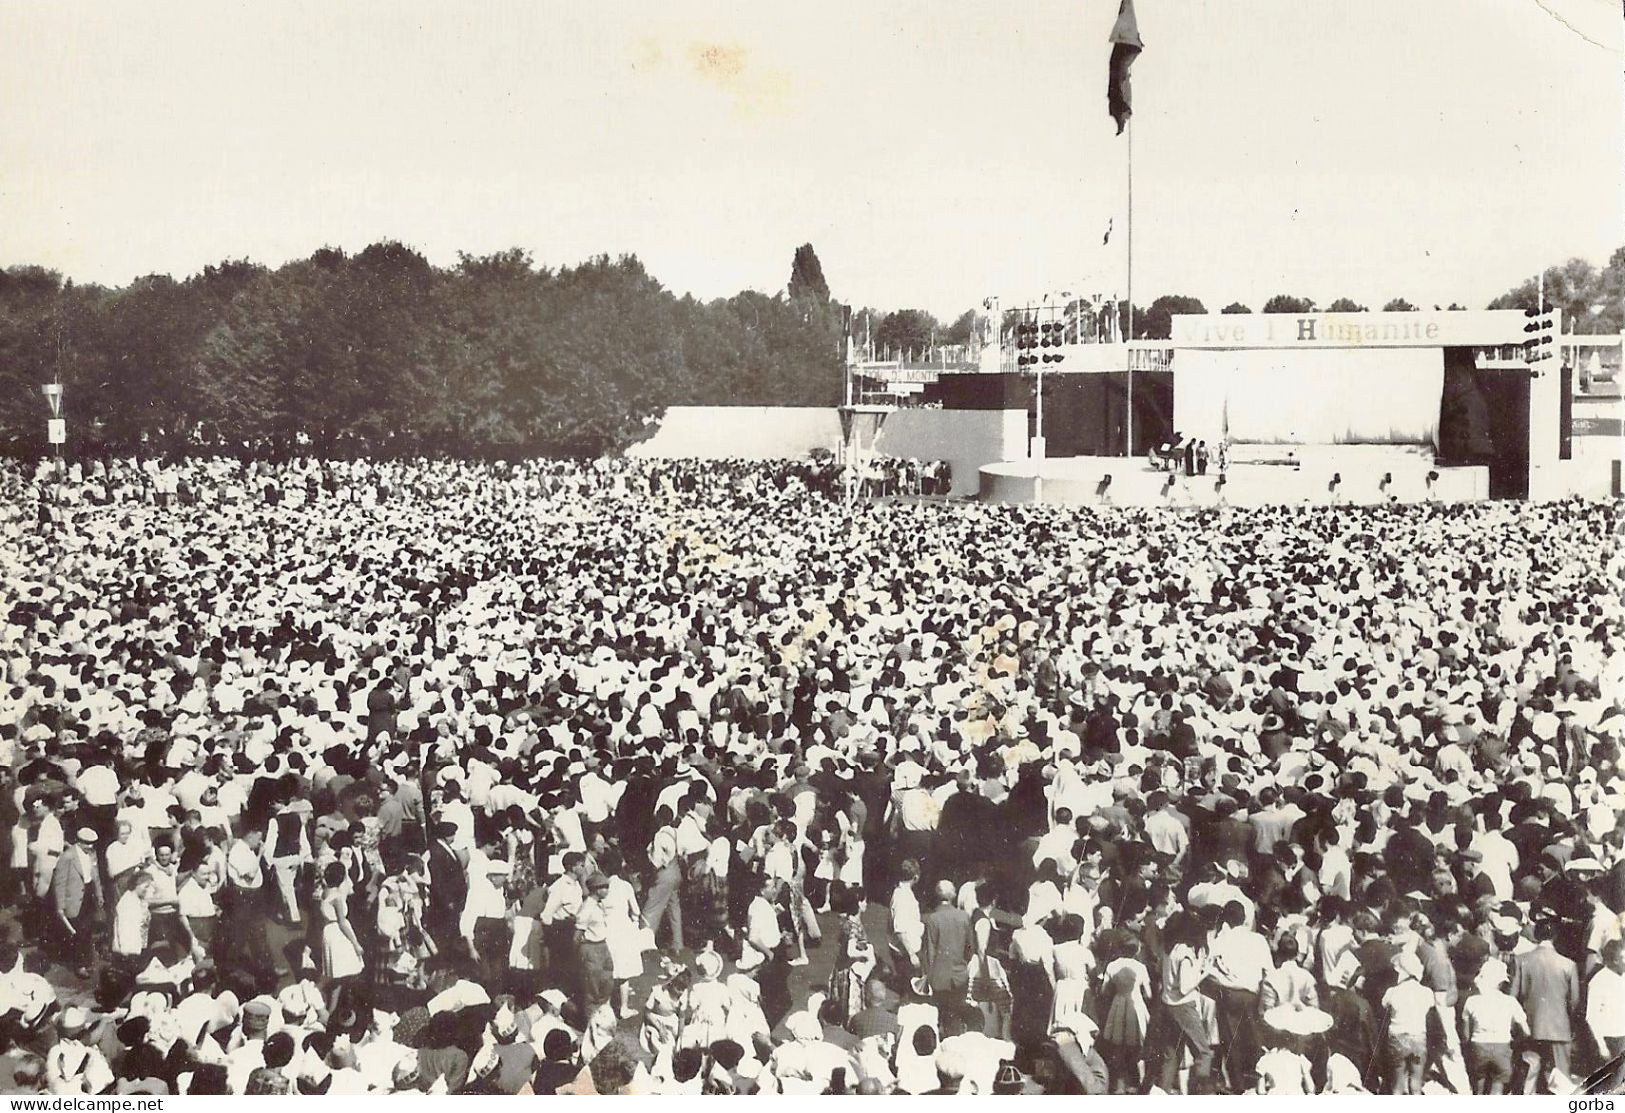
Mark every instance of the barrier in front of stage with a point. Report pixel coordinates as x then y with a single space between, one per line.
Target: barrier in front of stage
1078 481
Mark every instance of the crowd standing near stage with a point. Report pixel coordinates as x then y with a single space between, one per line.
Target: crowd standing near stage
679 777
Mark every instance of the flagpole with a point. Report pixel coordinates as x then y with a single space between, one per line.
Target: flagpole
1127 351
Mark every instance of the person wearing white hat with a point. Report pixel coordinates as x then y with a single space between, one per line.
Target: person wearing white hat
77 901
73 1066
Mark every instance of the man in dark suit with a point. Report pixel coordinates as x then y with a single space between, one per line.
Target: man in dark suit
1547 985
381 710
967 834
946 955
872 785
1353 1034
448 885
76 896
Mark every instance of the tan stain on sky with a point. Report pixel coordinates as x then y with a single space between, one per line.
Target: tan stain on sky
753 89
722 63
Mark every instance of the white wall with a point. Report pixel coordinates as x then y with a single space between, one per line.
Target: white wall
1589 476
967 439
742 432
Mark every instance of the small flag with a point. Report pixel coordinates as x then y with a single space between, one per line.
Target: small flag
1108 237
1126 46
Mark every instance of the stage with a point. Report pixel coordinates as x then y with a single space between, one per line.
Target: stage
1259 475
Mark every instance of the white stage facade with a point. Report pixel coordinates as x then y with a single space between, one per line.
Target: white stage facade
1316 408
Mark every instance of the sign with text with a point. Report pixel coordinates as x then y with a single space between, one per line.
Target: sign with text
1436 329
56 431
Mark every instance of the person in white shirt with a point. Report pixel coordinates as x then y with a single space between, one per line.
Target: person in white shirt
455 810
1489 1020
1056 844
164 899
191 786
194 900
1165 829
764 956
1241 959
125 853
132 919
1336 868
563 903
907 926
598 796
484 919
98 784
1605 1001
664 900
691 836
46 847
1407 1006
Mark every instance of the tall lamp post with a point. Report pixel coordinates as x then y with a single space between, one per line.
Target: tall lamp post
56 429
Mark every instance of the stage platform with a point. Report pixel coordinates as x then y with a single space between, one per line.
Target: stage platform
1259 475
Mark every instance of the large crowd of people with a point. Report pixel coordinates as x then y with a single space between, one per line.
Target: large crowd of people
679 777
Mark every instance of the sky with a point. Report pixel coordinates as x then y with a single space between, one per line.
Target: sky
935 152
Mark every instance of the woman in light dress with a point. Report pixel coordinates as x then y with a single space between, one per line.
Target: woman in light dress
747 1023
1074 963
341 951
1127 999
626 930
703 1009
840 857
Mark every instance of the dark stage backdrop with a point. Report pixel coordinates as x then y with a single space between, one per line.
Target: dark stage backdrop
1083 413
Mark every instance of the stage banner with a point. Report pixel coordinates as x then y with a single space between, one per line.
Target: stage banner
1437 329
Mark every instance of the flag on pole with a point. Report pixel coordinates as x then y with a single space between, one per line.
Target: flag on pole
1108 237
1126 46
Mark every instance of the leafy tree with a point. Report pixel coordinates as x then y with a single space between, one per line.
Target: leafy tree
30 301
1122 320
282 362
1399 305
1345 305
906 330
961 331
1235 307
807 275
329 258
149 329
1156 322
1286 303
1586 298
1608 297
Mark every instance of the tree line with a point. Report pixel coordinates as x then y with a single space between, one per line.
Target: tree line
1592 301
382 352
